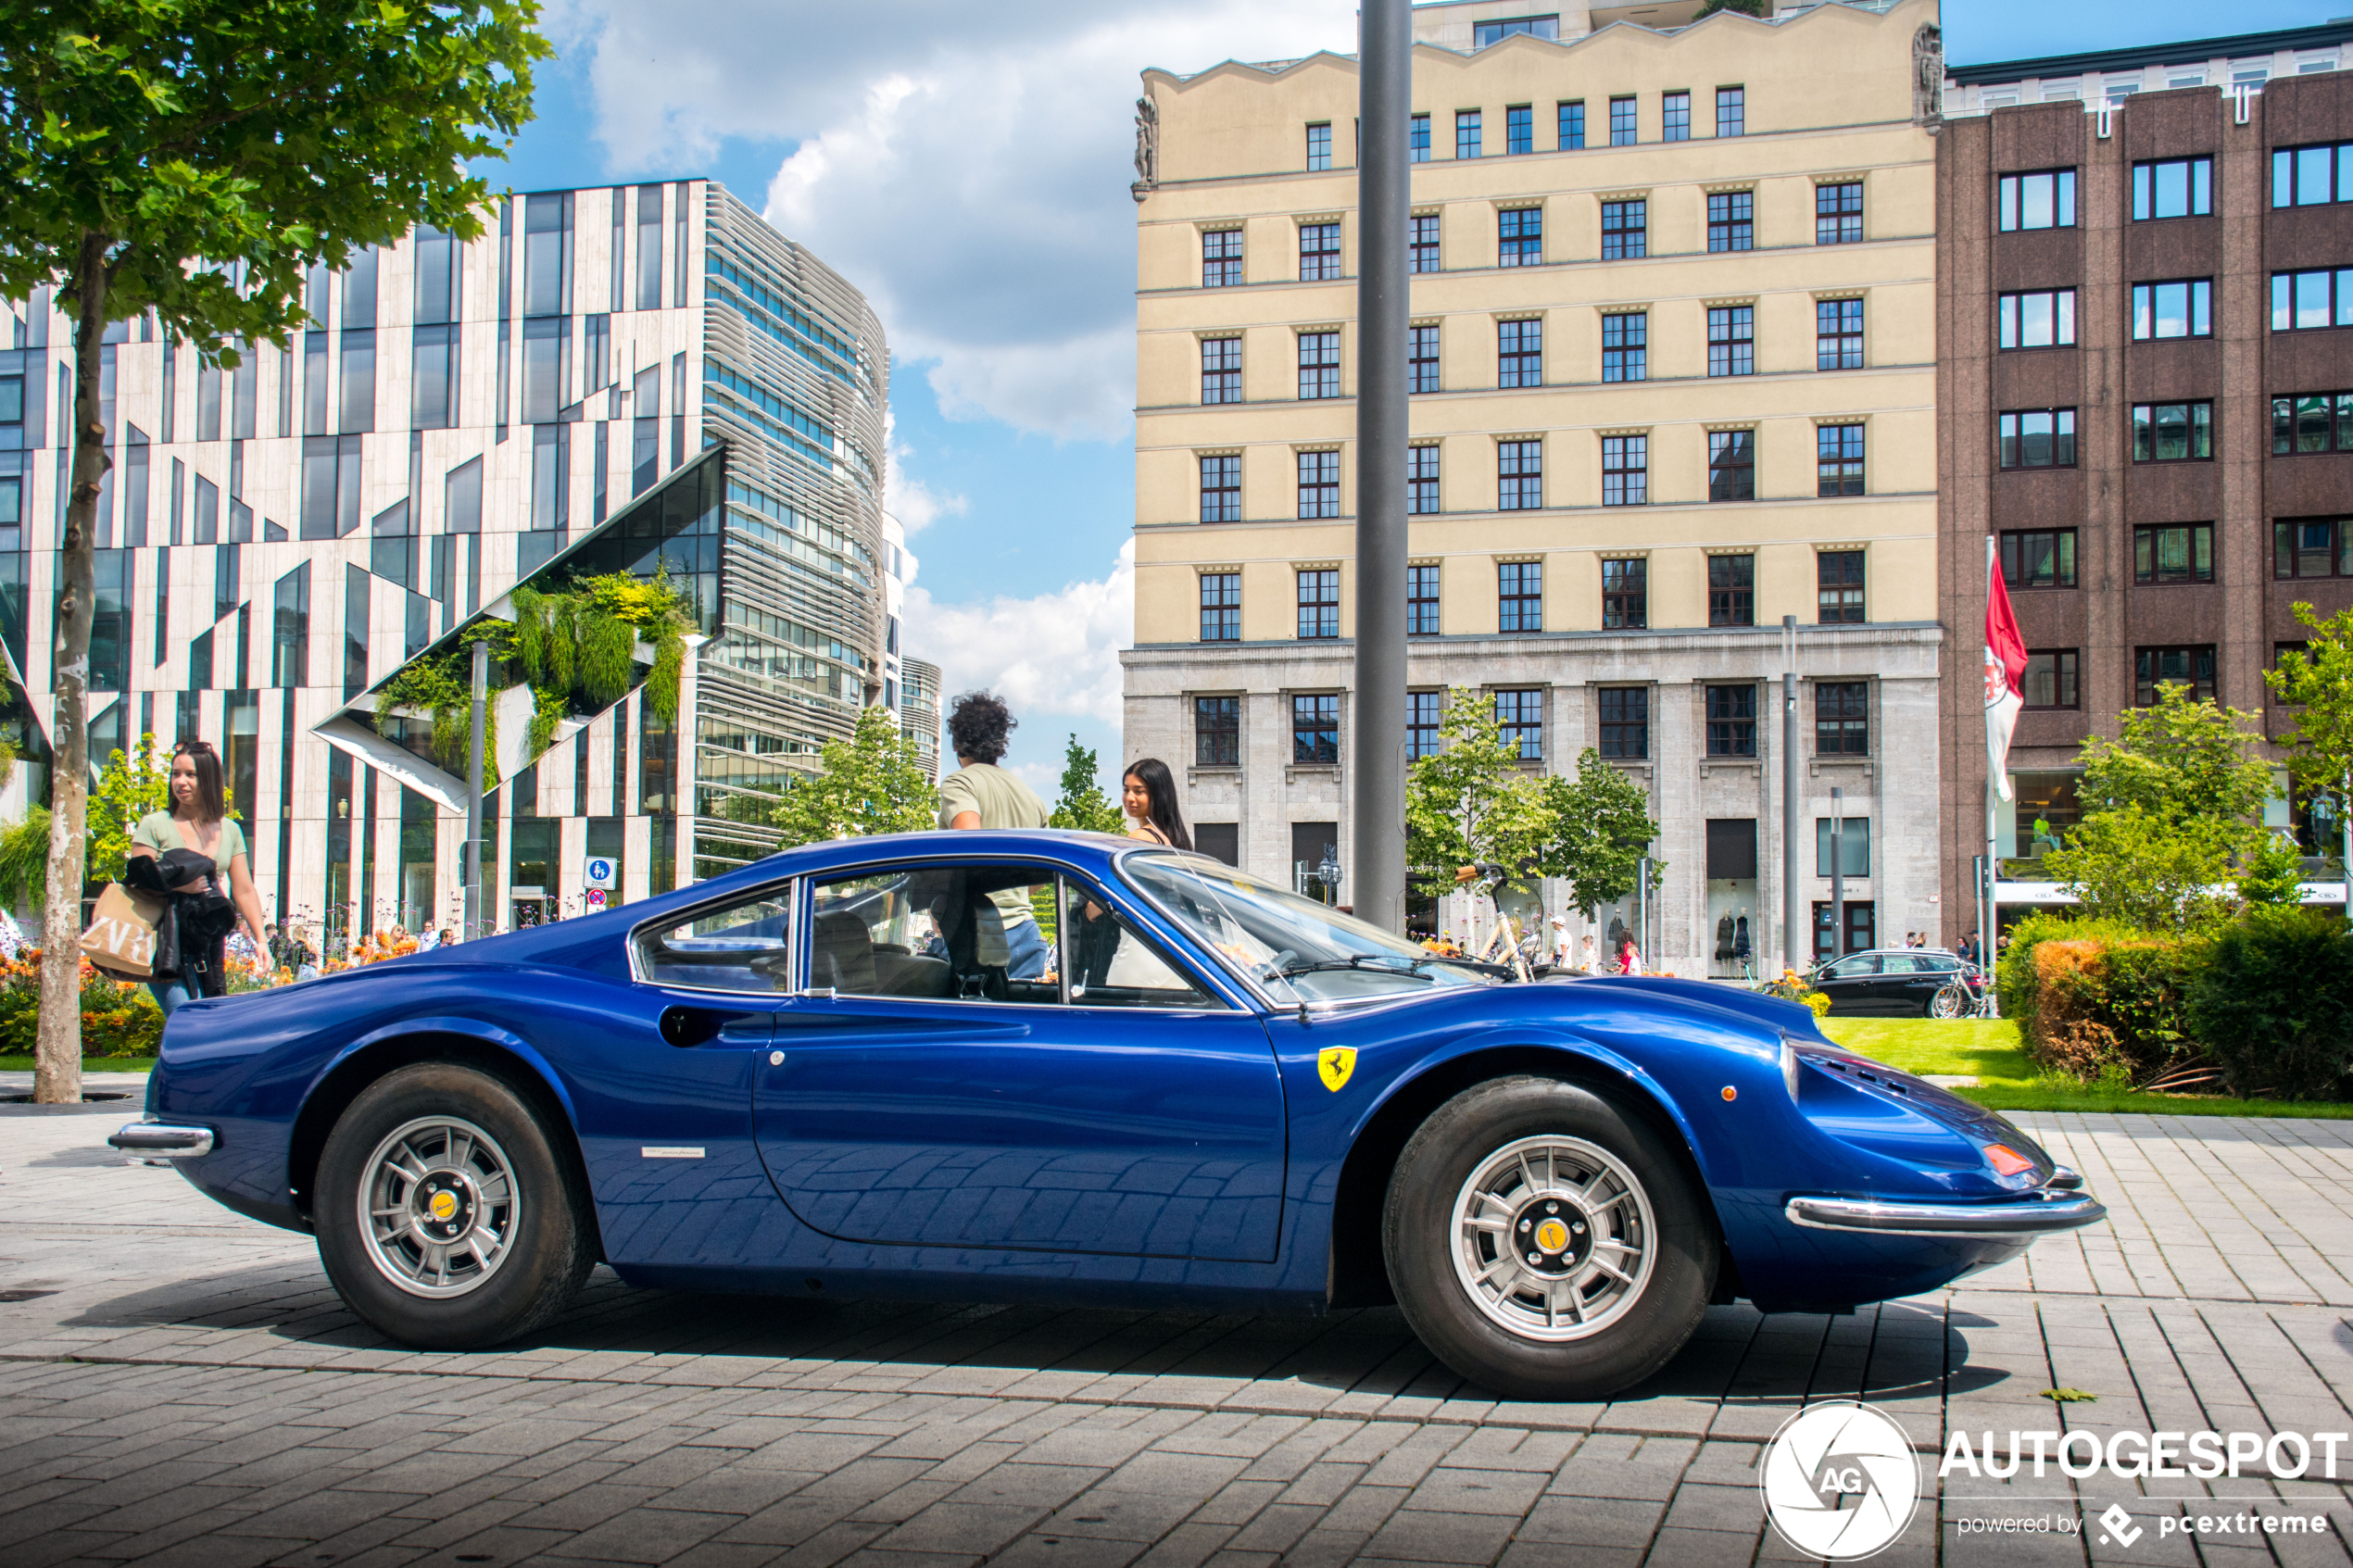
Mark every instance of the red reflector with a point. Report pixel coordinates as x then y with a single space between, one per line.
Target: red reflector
2005 1160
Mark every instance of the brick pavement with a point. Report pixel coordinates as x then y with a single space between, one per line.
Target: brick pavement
186 1389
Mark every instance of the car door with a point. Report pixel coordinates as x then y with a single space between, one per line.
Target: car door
946 1080
1930 973
1852 984
1899 988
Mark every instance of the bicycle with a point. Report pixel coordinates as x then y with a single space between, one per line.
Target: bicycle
1954 1000
1499 948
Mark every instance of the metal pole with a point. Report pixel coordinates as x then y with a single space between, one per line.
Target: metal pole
1993 880
1795 928
1838 870
474 794
1976 871
1385 85
2345 821
1642 907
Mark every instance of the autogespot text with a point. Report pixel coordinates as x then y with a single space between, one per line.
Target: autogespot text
2283 1456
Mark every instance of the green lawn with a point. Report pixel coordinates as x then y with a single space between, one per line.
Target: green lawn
1989 1050
89 1063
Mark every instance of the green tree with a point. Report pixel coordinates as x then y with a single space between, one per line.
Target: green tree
129 787
2172 809
872 783
195 158
1470 802
2316 685
1602 828
1746 7
1082 803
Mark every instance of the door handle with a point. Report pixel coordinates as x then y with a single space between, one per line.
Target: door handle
686 1027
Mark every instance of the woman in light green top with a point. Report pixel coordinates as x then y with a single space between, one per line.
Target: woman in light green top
199 821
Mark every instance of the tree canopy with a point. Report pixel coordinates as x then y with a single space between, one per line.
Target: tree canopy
1082 803
872 783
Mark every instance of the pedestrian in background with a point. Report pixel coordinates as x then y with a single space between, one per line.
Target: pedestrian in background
981 795
1147 793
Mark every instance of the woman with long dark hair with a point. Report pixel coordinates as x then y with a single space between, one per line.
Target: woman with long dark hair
1147 793
198 819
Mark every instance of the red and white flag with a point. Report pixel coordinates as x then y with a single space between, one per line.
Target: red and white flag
2005 665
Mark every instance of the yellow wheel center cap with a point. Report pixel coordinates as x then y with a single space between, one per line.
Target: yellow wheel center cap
445 1204
1552 1236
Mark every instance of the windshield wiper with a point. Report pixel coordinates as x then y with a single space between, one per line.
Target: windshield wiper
1357 962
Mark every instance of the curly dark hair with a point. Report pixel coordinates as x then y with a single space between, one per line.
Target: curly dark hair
979 725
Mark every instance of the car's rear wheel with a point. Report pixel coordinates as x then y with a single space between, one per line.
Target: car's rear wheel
446 1216
1546 1243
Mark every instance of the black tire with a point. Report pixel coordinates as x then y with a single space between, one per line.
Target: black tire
1635 1330
540 1246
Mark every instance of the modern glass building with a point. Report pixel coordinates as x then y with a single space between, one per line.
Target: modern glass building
644 378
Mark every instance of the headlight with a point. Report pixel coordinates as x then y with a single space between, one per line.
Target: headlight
1788 1067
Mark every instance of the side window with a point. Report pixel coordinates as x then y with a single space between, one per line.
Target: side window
1860 967
946 933
744 947
1113 965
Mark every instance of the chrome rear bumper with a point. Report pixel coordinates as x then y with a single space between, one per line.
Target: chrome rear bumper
2057 1207
162 1140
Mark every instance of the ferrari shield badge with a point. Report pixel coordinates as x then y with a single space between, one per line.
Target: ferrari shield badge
1334 1066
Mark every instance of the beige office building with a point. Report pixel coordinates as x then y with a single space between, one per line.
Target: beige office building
1674 361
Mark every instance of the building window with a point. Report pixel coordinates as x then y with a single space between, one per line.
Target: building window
2041 200
1221 258
1421 359
1731 340
1838 214
1838 460
2168 432
1519 236
1319 603
1626 723
1319 147
1417 140
1319 364
433 376
1519 589
1315 728
2318 421
2192 667
1626 470
1520 354
1731 590
2042 319
1841 719
1838 587
2037 438
1421 481
1731 719
1625 230
1467 133
1217 732
1421 601
2302 301
1421 249
1424 711
1221 488
2038 557
2182 308
1626 595
1521 713
2180 552
2051 679
1519 129
1221 369
1318 484
2181 187
1838 334
1732 221
1622 122
1625 346
1519 475
1220 606
1853 855
2312 175
1731 464
1675 117
1731 111
2311 548
1572 126
1318 252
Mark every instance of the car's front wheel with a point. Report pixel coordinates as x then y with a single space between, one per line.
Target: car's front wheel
1546 1243
446 1217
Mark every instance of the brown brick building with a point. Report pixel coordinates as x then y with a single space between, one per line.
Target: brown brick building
2145 315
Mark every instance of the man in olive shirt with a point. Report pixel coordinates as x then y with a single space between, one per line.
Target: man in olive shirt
981 795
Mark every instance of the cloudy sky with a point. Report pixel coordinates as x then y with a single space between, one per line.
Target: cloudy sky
967 167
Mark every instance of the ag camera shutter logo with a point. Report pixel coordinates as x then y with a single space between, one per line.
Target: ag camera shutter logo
1839 1481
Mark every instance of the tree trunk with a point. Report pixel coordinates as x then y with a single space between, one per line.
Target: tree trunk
56 1076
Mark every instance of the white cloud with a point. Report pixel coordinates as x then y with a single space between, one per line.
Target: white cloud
967 167
915 504
1057 653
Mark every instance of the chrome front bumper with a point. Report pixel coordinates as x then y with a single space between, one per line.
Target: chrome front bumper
155 1141
2057 1206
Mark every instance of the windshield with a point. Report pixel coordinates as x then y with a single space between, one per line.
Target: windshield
1296 950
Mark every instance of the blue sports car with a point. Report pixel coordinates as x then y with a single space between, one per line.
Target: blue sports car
848 1069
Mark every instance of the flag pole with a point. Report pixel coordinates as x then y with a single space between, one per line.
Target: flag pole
1989 937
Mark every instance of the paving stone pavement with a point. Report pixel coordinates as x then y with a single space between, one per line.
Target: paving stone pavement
179 1386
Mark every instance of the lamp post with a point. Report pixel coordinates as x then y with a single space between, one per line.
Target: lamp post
1838 871
474 794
